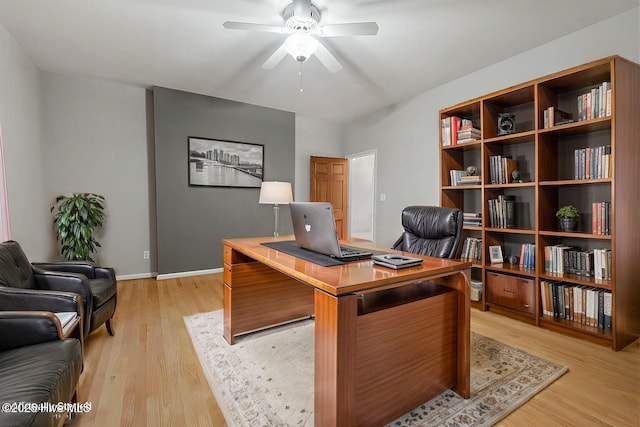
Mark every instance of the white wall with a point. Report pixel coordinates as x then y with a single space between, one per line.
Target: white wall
406 135
95 140
31 221
313 138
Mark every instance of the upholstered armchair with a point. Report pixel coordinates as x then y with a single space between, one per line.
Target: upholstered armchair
431 231
36 365
96 286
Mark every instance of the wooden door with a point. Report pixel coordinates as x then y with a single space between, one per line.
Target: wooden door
329 179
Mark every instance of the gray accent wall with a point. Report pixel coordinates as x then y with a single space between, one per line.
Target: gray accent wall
192 221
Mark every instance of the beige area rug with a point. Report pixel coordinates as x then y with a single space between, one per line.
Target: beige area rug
266 378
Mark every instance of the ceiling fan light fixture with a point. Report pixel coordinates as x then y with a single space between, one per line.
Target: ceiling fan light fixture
300 45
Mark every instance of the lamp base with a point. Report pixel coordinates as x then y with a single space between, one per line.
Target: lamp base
276 209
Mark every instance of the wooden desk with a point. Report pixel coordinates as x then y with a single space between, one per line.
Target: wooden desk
386 341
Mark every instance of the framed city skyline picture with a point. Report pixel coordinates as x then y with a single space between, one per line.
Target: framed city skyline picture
221 163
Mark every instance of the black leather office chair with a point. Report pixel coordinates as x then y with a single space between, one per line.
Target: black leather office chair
431 231
96 286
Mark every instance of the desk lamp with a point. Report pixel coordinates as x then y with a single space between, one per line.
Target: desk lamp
276 193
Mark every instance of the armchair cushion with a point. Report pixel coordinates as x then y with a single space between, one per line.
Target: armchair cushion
45 372
103 290
430 230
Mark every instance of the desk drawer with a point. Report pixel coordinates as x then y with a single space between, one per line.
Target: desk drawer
517 293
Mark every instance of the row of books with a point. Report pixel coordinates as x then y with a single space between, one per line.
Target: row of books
582 304
460 177
564 259
472 219
500 169
553 116
456 130
595 103
502 212
472 249
528 256
593 163
601 218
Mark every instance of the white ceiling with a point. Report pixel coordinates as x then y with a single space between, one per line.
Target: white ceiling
181 44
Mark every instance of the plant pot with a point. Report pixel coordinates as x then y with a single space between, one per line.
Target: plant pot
568 224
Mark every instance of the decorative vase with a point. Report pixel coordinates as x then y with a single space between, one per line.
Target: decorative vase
568 224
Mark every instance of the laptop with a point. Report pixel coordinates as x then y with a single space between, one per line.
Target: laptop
314 227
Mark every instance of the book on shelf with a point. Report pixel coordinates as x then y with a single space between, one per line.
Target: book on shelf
472 249
592 162
460 177
601 218
468 133
582 304
563 259
500 168
553 116
502 212
451 126
472 219
556 258
602 264
528 256
595 102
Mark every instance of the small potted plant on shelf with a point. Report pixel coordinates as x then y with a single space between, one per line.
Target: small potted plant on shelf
76 217
568 218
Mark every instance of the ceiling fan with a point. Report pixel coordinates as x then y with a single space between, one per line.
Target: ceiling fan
302 23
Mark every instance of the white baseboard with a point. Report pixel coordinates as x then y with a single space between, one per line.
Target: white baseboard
169 275
188 273
135 276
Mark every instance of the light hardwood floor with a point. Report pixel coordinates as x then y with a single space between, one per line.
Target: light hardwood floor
149 375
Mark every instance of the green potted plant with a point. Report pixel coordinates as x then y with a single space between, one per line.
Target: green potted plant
568 218
76 217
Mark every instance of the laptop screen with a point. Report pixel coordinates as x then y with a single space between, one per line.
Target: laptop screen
314 227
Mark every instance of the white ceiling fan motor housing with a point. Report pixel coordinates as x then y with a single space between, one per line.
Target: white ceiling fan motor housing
301 23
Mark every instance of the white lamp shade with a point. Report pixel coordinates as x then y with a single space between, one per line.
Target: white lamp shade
275 193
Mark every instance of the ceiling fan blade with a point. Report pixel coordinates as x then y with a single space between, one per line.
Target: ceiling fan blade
352 29
327 59
275 59
230 25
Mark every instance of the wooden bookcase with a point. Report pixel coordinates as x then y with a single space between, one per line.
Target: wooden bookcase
552 174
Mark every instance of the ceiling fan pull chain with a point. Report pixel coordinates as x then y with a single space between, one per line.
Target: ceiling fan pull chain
300 74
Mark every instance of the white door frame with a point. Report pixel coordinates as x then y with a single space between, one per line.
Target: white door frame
350 157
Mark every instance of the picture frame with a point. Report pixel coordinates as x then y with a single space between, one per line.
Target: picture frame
223 163
495 255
